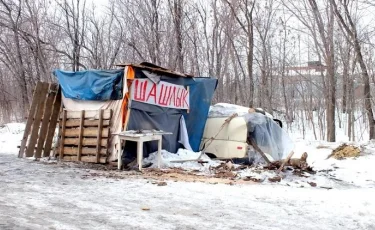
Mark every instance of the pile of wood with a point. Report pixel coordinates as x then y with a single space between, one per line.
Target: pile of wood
345 151
84 135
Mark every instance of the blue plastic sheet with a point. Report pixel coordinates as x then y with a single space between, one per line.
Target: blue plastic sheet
201 93
99 85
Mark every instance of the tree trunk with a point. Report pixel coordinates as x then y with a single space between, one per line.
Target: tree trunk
250 58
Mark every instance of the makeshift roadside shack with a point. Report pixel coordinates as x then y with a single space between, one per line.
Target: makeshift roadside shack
99 103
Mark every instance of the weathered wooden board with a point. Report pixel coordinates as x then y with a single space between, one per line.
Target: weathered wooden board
46 119
102 160
63 130
37 119
73 151
80 135
87 132
85 141
30 120
52 124
89 114
86 123
99 137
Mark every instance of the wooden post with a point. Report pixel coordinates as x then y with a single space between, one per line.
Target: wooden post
30 119
188 89
140 153
80 135
56 147
62 135
100 127
160 142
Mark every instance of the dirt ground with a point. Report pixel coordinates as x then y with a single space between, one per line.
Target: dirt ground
36 195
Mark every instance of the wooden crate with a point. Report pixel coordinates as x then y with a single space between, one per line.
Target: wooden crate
84 135
41 122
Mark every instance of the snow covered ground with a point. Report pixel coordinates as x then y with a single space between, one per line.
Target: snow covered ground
49 195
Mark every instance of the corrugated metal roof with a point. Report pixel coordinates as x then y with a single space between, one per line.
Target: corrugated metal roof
156 69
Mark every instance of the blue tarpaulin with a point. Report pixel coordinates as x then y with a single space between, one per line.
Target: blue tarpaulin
201 93
99 85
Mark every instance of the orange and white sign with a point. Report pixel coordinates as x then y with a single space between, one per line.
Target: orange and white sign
162 94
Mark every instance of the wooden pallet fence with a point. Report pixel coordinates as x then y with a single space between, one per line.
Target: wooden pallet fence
84 135
41 121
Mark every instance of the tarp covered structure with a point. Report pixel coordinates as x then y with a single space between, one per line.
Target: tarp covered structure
153 116
262 128
99 85
143 96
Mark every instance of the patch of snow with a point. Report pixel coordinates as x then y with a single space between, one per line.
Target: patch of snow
77 201
226 110
13 128
10 137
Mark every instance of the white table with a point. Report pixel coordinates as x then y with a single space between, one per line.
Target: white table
140 138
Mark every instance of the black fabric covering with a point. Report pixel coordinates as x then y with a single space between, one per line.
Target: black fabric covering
148 117
201 93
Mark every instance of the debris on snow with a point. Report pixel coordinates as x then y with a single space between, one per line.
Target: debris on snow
162 183
295 163
345 151
312 171
182 154
275 179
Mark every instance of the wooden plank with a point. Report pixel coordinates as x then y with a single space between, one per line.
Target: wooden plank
63 130
38 116
100 127
29 122
46 118
86 141
89 114
256 147
51 131
73 151
87 132
88 159
80 135
209 141
284 162
87 123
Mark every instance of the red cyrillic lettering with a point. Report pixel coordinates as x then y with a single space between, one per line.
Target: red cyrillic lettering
142 91
152 93
183 99
163 98
172 95
178 98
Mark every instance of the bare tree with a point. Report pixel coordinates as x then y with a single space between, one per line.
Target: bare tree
74 27
350 29
245 8
10 17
